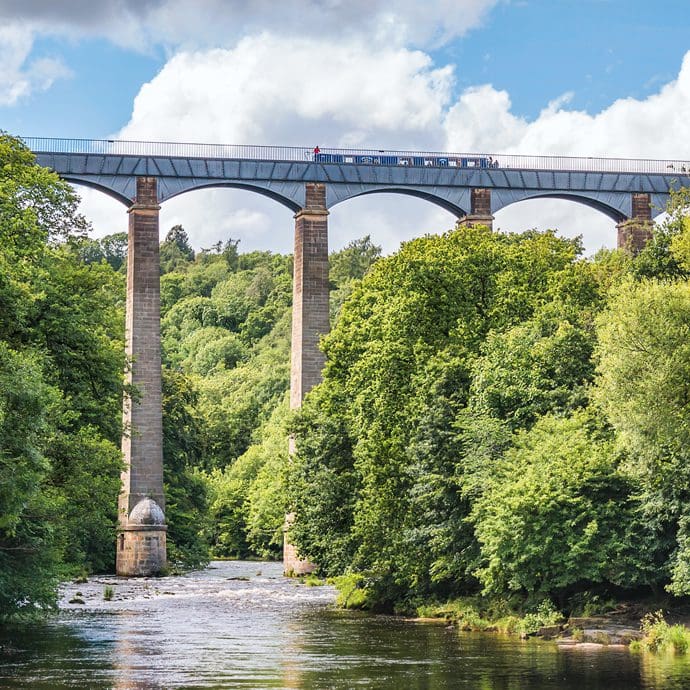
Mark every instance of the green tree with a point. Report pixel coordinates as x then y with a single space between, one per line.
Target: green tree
30 539
557 515
186 501
399 370
644 370
175 251
60 407
111 249
541 365
665 255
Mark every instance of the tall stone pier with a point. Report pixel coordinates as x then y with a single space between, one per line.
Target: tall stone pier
480 211
634 233
310 319
141 548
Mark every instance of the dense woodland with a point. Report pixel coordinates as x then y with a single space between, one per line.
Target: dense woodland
498 416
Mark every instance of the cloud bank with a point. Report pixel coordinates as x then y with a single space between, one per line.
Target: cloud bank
334 73
206 23
276 90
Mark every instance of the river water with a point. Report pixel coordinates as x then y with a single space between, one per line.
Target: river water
242 625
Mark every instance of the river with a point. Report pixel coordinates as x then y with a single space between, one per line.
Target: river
241 625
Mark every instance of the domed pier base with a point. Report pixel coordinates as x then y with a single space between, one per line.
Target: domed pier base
141 541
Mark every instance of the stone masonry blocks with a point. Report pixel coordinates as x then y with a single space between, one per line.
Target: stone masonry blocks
310 310
634 233
480 211
641 206
310 320
142 550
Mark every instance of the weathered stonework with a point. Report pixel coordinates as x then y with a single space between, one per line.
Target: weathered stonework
141 548
141 552
310 320
634 233
292 563
480 213
310 308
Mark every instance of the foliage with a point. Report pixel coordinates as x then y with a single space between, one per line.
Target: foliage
175 251
659 636
557 514
386 441
185 490
544 614
227 325
541 365
644 364
30 543
62 361
352 592
666 255
112 249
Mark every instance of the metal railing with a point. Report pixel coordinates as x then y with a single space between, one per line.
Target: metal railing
117 147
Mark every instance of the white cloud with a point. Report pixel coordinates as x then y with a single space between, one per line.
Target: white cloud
19 75
656 127
303 91
147 25
205 23
292 91
295 91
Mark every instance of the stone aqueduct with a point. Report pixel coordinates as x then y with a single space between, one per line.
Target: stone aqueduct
143 174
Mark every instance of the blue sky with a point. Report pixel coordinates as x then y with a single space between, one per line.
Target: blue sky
599 50
91 103
454 74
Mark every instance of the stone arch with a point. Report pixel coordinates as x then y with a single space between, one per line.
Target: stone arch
282 199
447 205
607 209
118 195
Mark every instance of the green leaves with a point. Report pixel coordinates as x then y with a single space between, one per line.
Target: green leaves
436 354
61 363
557 514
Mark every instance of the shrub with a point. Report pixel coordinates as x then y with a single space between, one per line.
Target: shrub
659 636
352 592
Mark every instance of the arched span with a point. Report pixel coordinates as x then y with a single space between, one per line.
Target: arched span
285 201
113 194
426 196
607 210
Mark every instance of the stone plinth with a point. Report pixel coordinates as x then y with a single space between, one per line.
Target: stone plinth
141 551
141 546
480 213
634 233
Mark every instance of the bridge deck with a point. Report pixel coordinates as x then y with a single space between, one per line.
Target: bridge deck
281 173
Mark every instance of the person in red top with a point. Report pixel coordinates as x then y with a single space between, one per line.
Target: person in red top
317 151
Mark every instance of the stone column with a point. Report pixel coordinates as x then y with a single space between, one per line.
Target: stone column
480 213
310 308
141 548
634 233
310 319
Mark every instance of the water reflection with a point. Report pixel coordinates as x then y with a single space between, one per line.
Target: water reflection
229 627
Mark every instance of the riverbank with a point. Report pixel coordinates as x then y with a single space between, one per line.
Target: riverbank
648 628
645 625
